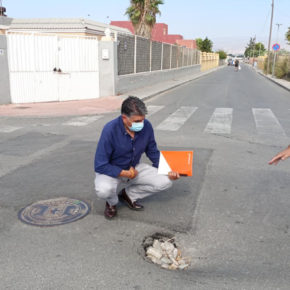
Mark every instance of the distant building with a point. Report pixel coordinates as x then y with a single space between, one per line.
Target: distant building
159 31
189 43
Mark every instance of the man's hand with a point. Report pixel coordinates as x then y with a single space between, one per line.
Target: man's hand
283 155
131 173
173 175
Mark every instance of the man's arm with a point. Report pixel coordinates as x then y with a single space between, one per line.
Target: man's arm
103 157
283 155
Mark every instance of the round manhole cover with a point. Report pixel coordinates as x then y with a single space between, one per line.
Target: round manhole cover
54 212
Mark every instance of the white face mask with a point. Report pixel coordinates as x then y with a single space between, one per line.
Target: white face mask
137 126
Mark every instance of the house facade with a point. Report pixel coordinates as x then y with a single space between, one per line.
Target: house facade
159 31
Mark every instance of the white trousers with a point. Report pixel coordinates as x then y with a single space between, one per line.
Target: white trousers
146 183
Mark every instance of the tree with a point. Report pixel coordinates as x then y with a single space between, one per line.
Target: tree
198 43
222 54
142 14
288 35
254 49
250 47
259 49
206 45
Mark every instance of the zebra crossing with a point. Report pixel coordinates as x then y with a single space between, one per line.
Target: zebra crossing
177 119
8 129
82 121
219 121
266 122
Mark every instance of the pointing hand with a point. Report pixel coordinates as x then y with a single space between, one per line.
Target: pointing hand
283 155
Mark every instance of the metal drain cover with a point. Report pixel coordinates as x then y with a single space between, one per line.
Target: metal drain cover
54 212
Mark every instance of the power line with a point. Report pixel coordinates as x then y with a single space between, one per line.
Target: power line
263 28
278 26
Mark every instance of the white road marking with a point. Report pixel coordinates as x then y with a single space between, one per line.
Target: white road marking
220 121
267 123
82 121
177 119
153 109
9 129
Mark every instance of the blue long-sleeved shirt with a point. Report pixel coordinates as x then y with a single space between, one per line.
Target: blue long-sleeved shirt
117 151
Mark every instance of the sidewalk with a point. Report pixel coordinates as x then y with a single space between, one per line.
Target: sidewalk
95 106
69 108
282 83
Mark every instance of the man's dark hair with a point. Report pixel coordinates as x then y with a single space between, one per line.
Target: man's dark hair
133 106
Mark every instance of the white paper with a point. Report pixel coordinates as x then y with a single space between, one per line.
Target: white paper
163 167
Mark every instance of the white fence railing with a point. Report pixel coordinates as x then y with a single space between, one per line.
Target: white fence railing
137 54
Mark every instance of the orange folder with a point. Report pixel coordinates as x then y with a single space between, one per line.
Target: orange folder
178 161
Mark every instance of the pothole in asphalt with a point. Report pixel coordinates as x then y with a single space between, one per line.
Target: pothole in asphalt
161 249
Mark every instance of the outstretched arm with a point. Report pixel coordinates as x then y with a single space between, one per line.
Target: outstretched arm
283 155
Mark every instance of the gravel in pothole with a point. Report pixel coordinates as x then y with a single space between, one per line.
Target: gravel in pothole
164 252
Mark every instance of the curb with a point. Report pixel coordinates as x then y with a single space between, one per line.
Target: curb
180 84
272 80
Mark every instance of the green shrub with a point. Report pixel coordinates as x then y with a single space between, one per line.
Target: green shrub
282 66
266 64
281 69
222 54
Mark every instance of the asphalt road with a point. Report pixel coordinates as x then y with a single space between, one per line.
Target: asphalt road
231 218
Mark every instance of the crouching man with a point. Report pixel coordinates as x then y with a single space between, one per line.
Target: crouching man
119 175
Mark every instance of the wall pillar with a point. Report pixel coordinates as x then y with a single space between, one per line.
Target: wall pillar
5 96
108 69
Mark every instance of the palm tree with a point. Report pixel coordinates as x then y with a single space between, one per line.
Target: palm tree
142 14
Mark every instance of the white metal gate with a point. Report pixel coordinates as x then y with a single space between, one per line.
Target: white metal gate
46 67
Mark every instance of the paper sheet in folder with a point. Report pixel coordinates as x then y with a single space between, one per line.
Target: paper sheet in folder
178 161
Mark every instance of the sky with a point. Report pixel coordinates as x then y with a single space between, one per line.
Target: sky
228 23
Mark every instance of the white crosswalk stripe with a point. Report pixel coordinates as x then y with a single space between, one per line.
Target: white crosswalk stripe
8 129
220 121
177 119
82 121
153 109
267 123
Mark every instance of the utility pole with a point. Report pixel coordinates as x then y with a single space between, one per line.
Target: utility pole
254 40
270 35
275 52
